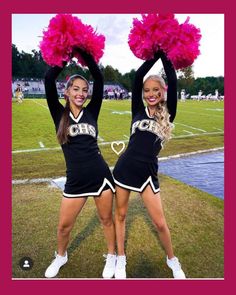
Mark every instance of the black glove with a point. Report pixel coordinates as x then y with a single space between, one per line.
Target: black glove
64 63
80 51
157 54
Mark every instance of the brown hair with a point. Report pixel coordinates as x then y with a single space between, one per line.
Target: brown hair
62 132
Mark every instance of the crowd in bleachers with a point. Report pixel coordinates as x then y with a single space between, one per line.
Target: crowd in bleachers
35 88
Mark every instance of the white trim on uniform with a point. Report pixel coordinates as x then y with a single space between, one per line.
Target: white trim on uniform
78 118
147 112
105 181
149 180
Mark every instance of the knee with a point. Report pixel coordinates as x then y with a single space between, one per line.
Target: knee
120 216
106 220
64 229
160 225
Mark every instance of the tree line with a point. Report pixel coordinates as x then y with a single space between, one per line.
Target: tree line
32 65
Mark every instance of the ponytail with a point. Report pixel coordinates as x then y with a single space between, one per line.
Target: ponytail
62 132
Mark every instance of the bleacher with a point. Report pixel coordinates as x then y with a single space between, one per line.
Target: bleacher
31 88
34 88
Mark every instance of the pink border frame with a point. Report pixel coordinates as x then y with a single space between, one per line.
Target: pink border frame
104 286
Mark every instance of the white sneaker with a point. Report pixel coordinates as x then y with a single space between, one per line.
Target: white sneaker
174 264
109 268
56 264
120 272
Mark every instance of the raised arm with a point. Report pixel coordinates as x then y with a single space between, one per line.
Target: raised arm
172 86
97 93
55 107
137 89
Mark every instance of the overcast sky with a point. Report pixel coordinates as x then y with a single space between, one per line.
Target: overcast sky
27 31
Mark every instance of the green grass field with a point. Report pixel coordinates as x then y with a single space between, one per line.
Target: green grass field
198 125
195 218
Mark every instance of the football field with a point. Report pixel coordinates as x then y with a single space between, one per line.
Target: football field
198 125
195 218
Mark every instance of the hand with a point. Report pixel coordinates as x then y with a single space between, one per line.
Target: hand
157 54
64 63
76 49
161 53
82 54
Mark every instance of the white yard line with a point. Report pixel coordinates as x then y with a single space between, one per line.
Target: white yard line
35 150
28 181
191 153
57 148
188 132
198 134
41 180
100 138
40 104
190 127
217 110
109 142
218 129
202 114
41 144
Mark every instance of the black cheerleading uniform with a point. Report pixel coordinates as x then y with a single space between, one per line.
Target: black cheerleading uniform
138 165
87 173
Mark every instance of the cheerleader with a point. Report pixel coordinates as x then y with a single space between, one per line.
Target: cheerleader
87 173
136 169
19 94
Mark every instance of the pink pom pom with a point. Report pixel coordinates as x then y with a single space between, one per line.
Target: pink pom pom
66 32
186 50
153 32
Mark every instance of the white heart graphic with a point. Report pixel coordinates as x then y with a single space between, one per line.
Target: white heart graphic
117 144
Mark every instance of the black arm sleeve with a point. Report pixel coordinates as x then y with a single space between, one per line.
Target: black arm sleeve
55 107
137 101
97 93
172 86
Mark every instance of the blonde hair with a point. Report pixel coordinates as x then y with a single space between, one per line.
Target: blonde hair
161 115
